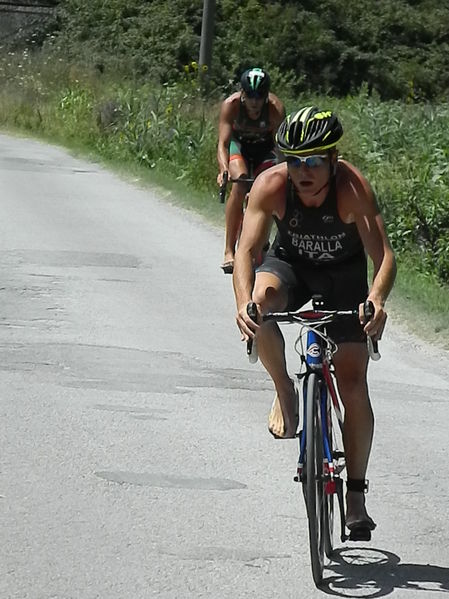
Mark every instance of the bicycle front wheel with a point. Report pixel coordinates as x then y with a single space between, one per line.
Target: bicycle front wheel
328 497
314 480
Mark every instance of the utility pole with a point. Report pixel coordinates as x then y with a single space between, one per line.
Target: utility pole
207 36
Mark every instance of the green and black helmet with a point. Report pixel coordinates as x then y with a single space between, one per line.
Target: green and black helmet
308 130
255 83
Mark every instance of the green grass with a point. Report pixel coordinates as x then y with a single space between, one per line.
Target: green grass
420 304
165 137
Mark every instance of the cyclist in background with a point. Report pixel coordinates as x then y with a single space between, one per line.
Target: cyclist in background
248 121
328 219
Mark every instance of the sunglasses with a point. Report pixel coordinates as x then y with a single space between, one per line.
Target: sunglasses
310 161
255 95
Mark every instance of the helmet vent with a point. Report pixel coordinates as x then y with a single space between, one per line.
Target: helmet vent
308 130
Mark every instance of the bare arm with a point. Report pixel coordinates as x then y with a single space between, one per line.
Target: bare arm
277 112
381 253
224 137
372 231
258 215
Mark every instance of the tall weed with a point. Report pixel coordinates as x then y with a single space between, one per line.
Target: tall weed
402 148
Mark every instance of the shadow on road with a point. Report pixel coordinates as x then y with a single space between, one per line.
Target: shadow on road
366 572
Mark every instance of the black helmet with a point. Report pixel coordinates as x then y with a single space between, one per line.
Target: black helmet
308 130
255 82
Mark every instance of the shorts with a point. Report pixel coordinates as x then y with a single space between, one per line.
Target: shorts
343 286
258 156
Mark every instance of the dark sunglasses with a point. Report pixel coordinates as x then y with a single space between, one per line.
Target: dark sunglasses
310 161
255 95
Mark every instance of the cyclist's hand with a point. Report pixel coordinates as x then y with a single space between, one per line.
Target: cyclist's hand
220 178
374 326
246 324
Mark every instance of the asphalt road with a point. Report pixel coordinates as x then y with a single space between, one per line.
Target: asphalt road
135 460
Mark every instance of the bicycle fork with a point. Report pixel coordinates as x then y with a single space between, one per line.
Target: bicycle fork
314 363
330 471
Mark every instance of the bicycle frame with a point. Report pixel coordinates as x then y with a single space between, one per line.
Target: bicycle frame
321 454
320 462
318 359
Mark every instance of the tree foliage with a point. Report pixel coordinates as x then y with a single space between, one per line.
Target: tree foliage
138 39
398 48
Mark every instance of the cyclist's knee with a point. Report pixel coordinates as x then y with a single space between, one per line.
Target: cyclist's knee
270 298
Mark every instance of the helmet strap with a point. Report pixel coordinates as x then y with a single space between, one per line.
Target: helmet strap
332 173
333 167
323 187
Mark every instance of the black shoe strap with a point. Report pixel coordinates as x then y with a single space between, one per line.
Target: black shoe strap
359 485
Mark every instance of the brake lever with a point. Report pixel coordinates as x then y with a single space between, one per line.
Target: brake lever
373 346
251 350
223 185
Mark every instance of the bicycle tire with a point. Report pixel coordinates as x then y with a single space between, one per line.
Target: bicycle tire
314 483
328 512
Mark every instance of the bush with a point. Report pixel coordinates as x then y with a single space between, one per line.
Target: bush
402 148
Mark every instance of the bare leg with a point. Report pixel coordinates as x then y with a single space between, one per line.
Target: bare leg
234 215
270 295
234 207
351 364
283 419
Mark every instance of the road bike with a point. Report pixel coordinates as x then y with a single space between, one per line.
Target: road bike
321 461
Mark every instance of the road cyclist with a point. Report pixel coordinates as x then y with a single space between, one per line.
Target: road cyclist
248 122
328 221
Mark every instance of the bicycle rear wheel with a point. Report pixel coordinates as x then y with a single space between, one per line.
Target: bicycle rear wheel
333 488
314 480
328 512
